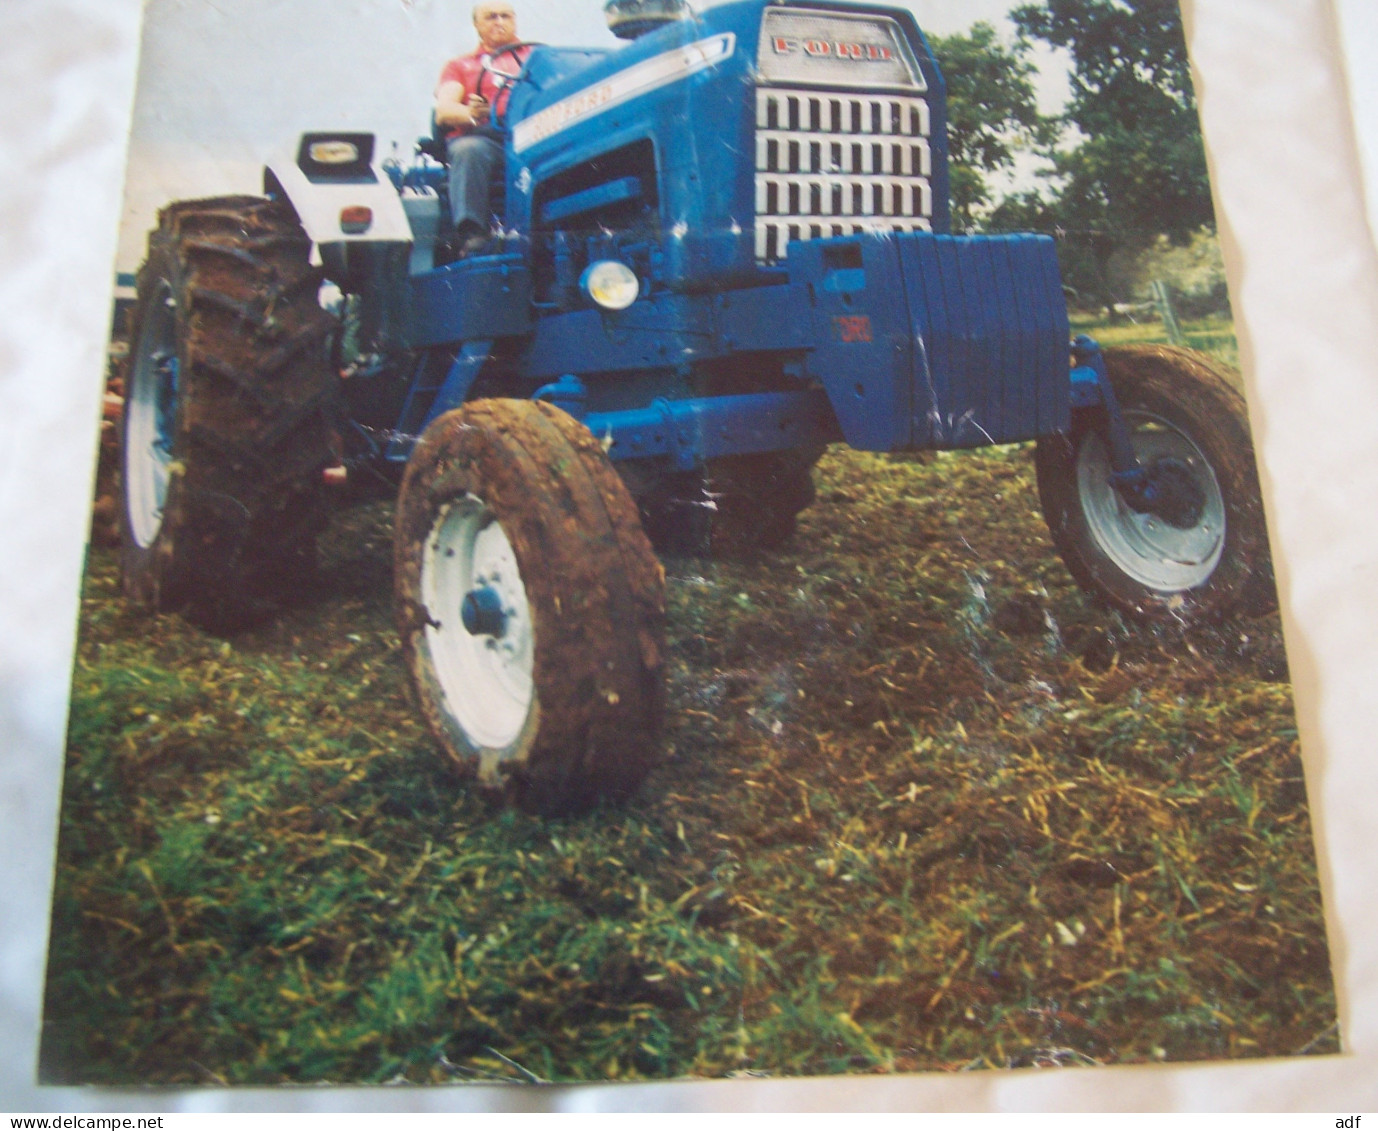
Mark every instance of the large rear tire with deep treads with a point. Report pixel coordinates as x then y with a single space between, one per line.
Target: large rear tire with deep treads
1202 560
229 413
530 605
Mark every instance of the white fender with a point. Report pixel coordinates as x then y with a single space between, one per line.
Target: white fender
319 204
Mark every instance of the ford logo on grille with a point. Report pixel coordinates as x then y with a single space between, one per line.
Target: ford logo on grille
814 47
828 49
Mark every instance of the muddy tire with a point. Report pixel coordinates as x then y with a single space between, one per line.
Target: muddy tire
228 417
1213 561
530 606
759 498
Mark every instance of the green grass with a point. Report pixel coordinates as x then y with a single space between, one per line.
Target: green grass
1214 336
923 806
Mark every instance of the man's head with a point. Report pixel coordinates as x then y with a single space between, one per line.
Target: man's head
496 24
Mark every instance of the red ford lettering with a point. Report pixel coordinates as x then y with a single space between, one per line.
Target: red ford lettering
824 49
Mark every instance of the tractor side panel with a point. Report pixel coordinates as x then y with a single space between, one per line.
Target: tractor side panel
862 350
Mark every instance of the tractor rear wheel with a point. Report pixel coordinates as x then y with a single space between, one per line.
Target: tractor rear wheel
1190 430
228 418
530 605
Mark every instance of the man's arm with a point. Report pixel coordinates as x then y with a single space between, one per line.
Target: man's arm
455 110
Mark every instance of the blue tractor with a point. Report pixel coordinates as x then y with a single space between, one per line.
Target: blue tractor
725 246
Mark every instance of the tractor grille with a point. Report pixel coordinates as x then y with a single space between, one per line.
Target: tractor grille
832 164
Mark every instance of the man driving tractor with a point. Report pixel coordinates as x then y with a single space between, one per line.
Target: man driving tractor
470 97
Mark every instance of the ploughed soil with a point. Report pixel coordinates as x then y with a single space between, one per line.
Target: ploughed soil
922 805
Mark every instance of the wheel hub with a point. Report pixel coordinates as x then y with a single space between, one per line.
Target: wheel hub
482 612
1167 489
1176 497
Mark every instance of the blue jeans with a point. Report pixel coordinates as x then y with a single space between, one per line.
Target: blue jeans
474 159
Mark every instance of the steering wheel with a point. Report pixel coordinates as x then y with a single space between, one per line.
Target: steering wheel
501 79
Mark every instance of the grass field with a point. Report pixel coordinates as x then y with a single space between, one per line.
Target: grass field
1214 336
923 805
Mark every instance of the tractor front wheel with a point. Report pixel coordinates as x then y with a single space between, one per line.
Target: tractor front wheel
530 605
1200 560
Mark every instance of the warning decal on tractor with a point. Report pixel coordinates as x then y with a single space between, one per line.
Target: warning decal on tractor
852 328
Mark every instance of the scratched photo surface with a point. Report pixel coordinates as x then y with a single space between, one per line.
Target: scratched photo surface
699 619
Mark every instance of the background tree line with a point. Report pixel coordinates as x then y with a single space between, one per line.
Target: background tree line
1126 190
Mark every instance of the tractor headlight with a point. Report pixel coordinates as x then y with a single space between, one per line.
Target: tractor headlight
610 284
333 152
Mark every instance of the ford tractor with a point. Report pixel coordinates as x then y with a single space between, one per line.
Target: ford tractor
724 246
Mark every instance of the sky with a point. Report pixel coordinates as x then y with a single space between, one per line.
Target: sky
224 85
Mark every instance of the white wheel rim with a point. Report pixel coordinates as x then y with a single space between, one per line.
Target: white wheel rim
150 411
486 680
1147 548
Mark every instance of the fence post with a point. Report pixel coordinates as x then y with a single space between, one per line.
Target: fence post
1164 303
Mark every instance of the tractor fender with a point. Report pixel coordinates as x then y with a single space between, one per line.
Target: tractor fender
321 197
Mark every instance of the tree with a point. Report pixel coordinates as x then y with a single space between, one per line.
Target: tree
1139 168
992 113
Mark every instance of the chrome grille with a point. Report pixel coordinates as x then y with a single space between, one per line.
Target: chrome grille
832 164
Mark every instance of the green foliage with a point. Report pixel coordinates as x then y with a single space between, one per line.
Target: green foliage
992 112
1194 271
1137 167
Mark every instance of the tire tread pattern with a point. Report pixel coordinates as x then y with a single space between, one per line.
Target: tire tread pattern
255 418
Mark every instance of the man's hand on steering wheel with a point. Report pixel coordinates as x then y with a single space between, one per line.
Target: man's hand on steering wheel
503 79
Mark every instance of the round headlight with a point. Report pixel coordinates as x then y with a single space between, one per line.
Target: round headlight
612 285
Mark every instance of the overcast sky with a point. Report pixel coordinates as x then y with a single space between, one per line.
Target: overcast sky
224 84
